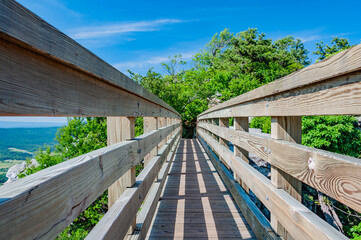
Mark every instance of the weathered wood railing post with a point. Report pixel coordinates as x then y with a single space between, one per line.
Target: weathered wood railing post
241 124
162 122
224 122
169 122
150 124
290 129
121 129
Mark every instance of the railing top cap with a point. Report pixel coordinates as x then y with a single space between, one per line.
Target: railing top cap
24 28
343 63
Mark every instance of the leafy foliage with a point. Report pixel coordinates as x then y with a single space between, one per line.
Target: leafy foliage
230 64
81 136
263 123
337 45
355 232
45 159
333 133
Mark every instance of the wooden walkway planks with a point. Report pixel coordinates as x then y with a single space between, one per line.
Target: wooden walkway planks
195 203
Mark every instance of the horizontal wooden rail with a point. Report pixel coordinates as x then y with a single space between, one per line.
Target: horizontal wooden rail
336 175
299 221
314 90
44 72
116 222
257 144
332 97
46 202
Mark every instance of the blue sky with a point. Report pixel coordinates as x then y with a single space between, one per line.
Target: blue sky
137 35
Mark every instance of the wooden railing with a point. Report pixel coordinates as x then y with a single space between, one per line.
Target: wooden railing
330 87
45 73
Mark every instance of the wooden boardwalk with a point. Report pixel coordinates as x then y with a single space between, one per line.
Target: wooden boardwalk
195 203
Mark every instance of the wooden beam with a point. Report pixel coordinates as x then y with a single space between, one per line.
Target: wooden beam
162 122
258 222
345 62
309 165
121 129
150 124
32 85
254 143
338 96
241 124
336 175
116 221
224 123
43 50
40 205
295 217
289 129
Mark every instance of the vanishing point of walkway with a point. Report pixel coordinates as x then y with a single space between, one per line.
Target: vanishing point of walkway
195 203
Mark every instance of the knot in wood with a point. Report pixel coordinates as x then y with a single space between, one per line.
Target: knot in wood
311 163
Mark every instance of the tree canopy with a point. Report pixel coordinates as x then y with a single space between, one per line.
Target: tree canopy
229 65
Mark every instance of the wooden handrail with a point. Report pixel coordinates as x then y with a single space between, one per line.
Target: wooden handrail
318 168
50 74
43 72
330 87
341 71
115 223
45 203
299 221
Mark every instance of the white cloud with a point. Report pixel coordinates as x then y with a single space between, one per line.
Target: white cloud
121 28
149 62
316 34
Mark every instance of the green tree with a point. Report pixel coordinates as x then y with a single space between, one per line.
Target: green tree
337 45
229 65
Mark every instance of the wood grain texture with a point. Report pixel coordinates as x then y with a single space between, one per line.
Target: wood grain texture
24 28
289 129
46 202
241 124
343 63
258 222
299 221
120 129
116 222
253 143
223 123
32 85
338 96
336 175
150 124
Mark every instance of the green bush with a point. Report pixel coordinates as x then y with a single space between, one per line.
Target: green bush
263 123
332 133
355 232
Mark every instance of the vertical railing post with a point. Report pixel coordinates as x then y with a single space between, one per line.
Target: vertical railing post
224 122
241 124
290 129
161 123
121 129
150 124
168 121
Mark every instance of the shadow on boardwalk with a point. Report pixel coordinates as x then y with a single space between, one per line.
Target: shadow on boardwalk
195 203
